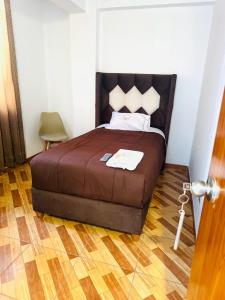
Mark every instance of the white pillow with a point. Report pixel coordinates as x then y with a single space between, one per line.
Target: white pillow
129 121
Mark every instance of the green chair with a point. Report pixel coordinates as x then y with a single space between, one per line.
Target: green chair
52 129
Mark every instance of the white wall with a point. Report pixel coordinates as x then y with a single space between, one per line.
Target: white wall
55 52
109 4
210 102
83 49
29 44
70 6
42 40
64 51
161 40
58 63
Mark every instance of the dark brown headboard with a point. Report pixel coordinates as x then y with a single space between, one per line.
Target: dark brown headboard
163 84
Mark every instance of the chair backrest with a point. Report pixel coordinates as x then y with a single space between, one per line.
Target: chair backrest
50 123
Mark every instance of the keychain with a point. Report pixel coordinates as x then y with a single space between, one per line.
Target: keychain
183 199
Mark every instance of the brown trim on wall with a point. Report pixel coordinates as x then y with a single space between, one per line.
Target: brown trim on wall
181 167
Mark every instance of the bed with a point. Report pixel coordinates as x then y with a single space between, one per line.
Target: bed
70 181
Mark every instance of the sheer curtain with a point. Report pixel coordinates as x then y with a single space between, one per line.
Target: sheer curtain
12 149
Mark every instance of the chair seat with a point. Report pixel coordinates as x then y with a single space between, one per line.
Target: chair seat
54 137
52 128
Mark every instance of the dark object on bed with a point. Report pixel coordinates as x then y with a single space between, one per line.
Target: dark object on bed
70 181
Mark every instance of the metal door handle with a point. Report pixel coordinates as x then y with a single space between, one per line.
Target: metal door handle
209 189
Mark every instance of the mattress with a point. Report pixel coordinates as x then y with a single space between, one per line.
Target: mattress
74 167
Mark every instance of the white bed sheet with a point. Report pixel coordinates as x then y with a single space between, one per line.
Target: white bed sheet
150 129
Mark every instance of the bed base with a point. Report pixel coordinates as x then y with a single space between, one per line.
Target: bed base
96 212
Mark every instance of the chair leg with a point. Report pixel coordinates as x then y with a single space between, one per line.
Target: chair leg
47 145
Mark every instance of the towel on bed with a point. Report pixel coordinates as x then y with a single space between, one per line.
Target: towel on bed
125 159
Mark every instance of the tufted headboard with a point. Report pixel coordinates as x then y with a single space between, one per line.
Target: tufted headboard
154 85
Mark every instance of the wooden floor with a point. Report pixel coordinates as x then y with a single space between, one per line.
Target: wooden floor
51 258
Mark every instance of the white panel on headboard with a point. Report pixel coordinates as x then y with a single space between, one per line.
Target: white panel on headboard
134 100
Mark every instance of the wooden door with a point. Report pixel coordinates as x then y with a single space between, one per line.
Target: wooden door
207 280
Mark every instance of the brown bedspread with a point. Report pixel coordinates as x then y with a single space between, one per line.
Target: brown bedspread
74 168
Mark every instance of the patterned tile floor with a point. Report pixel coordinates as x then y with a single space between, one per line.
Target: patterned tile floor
52 258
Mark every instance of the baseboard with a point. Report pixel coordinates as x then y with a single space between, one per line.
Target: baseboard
181 167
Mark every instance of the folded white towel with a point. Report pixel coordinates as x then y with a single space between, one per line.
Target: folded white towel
125 159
